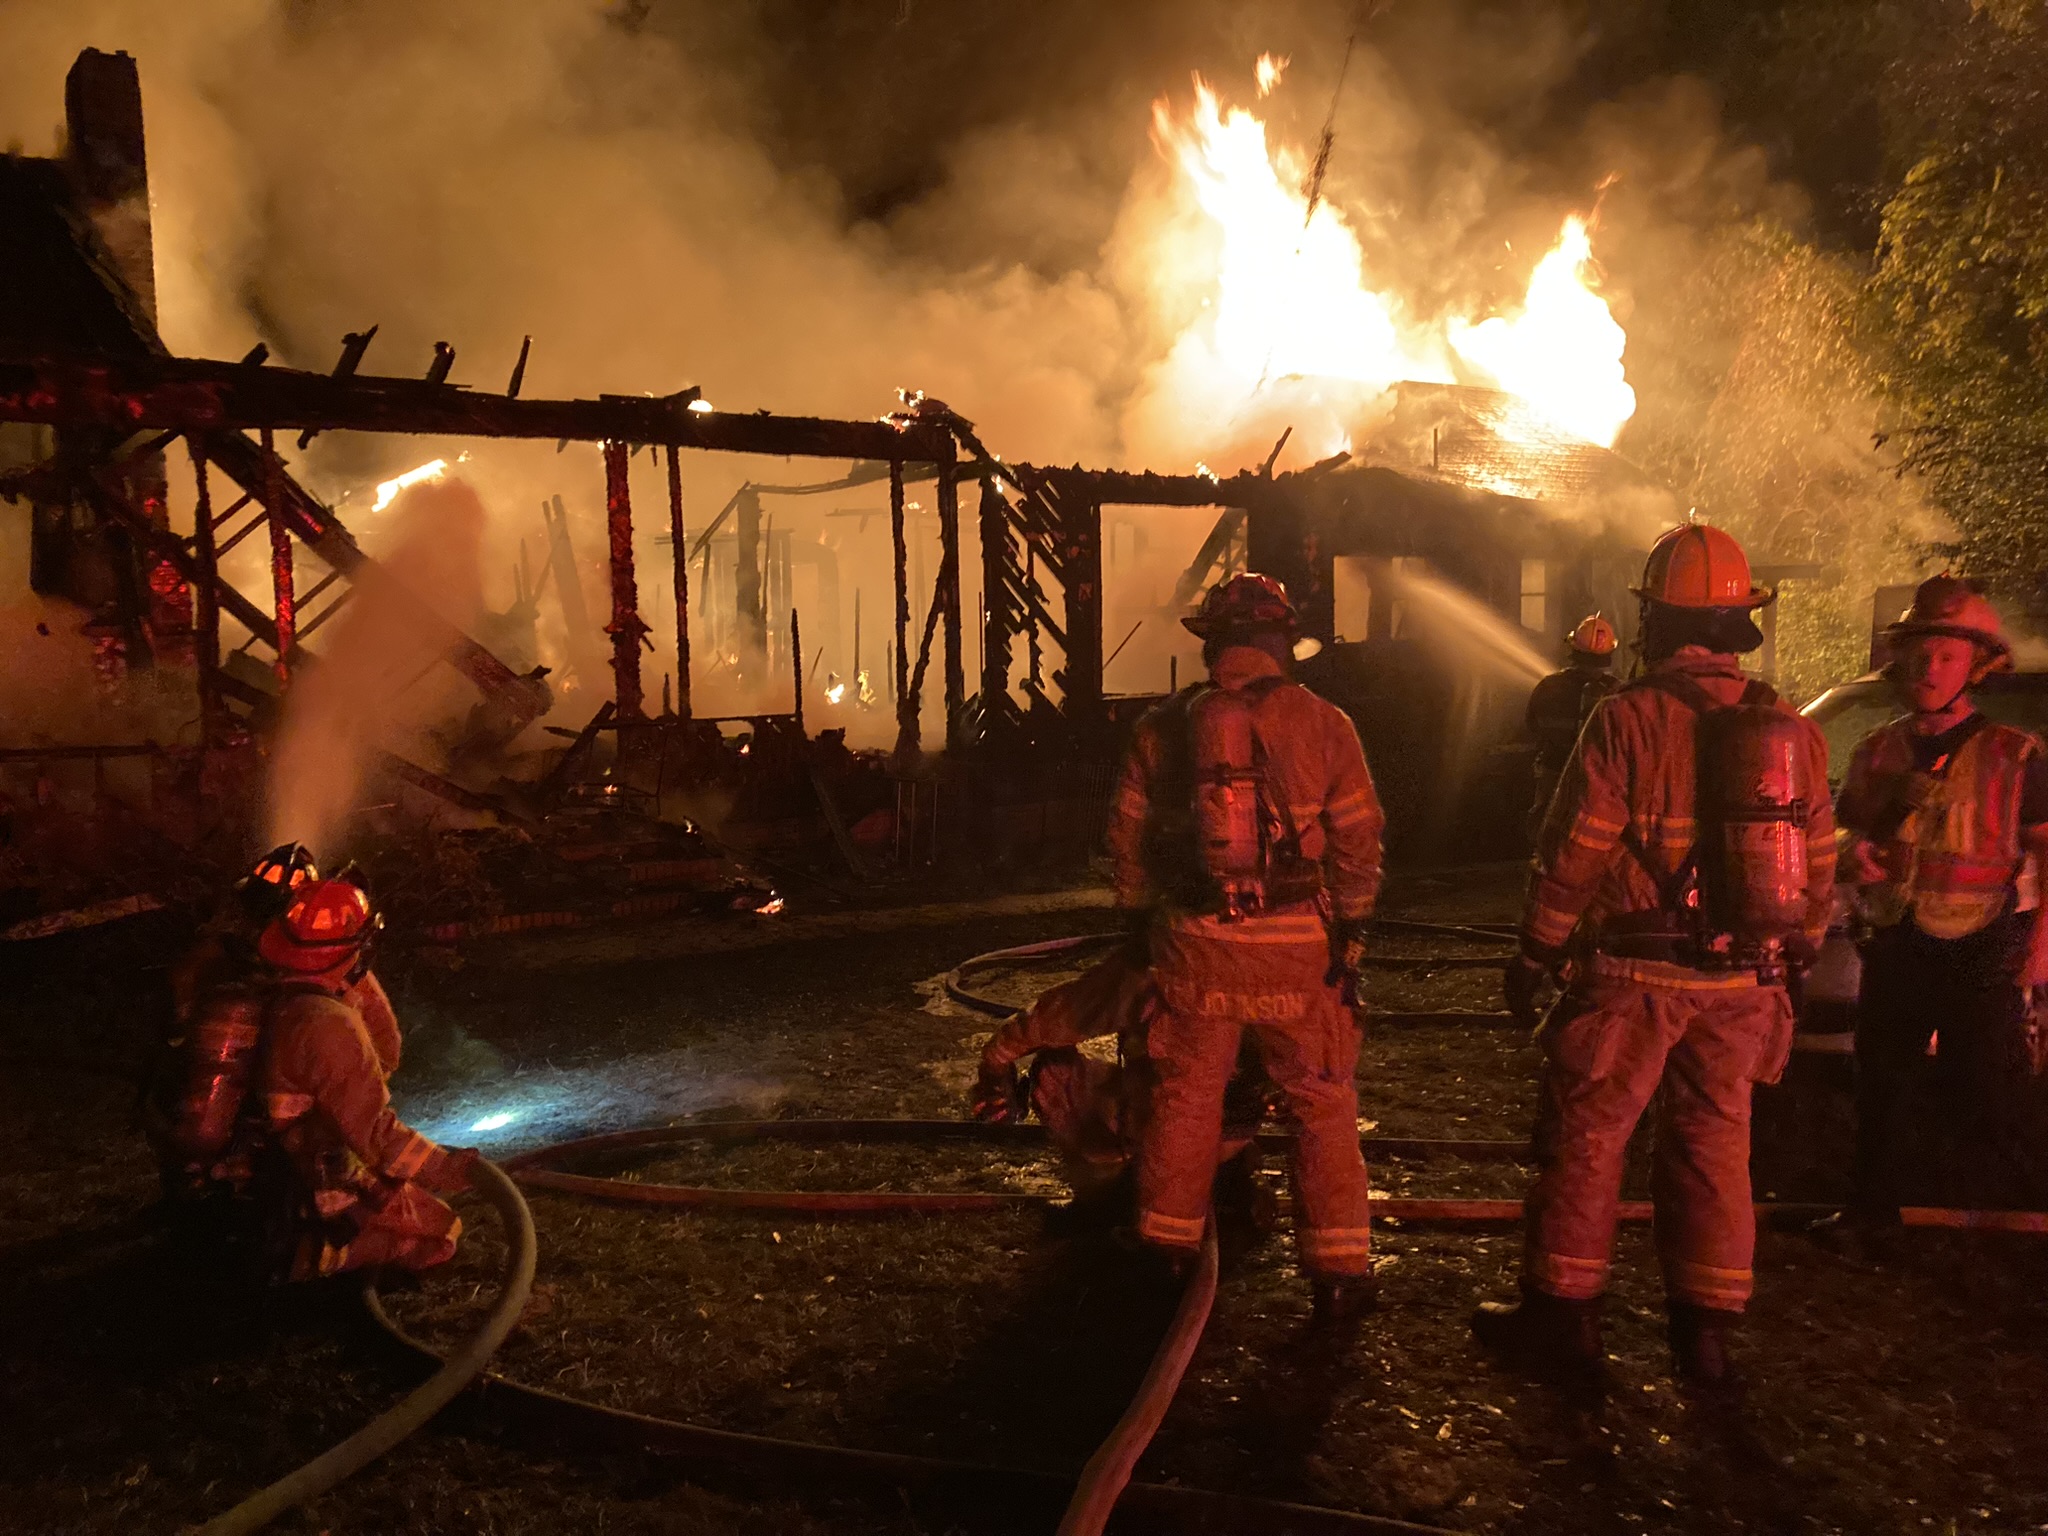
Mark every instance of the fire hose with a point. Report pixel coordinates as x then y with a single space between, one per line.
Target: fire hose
956 987
457 1371
1109 1470
1104 1485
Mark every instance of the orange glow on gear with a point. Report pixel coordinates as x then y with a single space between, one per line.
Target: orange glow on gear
1696 565
1250 601
325 926
1595 636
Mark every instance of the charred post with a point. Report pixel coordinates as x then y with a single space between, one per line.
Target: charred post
749 596
998 609
284 605
796 668
949 593
206 604
682 565
899 672
626 627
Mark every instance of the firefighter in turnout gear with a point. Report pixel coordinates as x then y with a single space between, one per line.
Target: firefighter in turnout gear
1560 703
1246 839
220 989
360 1178
1095 1109
1940 812
1685 868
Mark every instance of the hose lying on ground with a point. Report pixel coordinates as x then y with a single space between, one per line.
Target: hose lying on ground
1167 1510
425 1400
537 1170
955 980
1108 1471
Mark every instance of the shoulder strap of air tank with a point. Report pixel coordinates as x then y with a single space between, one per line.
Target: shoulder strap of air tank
1681 687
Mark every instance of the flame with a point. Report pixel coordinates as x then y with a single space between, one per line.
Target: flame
387 490
1289 296
1293 332
1562 354
835 692
1269 70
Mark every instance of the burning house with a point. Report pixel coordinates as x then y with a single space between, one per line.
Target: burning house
1449 534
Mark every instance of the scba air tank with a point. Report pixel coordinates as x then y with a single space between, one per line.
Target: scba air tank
1754 793
1229 782
220 1061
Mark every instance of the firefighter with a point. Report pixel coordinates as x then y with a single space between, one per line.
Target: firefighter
1637 859
225 949
1246 839
1088 1107
1560 703
360 1177
223 956
1095 1109
1940 810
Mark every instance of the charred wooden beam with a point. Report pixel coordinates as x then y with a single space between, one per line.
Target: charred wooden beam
190 394
205 605
627 628
682 577
906 708
1001 612
949 588
281 573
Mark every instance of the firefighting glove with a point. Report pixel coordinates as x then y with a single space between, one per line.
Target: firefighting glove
1347 950
1522 985
448 1170
998 1094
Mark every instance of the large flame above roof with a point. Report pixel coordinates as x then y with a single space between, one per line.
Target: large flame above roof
1289 298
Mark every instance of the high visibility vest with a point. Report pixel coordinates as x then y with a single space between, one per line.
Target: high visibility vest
1953 864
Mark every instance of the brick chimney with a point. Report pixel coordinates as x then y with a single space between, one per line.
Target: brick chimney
104 151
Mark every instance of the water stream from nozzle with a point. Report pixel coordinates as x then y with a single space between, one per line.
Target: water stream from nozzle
1459 626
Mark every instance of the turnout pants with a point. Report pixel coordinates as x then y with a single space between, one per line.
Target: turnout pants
1966 990
1695 1042
1218 983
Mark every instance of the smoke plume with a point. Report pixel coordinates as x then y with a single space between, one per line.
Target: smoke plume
375 685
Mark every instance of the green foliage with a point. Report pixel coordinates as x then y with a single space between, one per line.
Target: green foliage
1958 303
1759 406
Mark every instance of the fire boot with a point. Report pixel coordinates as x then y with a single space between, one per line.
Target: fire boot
1699 1348
1551 1337
1340 1299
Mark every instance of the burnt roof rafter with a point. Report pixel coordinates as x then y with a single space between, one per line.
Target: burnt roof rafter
190 394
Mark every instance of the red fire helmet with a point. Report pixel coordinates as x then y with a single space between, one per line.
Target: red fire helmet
1594 636
1244 602
1696 565
326 925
